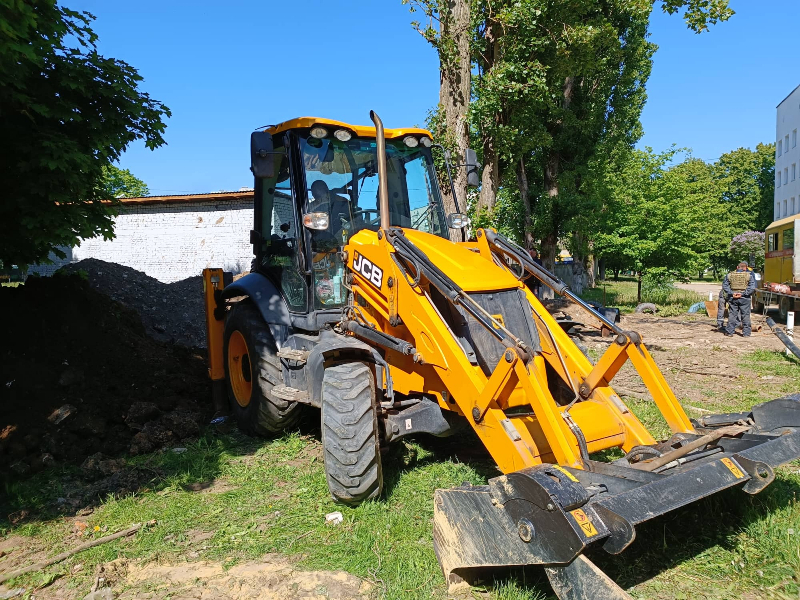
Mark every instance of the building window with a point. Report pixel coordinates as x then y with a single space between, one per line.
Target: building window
794 171
777 211
778 180
791 205
786 143
785 208
772 242
794 138
785 175
780 147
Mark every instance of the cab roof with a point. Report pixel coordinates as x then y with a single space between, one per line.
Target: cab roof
359 130
782 222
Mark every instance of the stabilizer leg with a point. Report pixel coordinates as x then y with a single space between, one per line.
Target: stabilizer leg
582 580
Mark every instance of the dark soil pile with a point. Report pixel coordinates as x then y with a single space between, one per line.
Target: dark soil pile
79 375
170 312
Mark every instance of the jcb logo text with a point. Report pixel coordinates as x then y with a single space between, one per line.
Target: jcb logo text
365 267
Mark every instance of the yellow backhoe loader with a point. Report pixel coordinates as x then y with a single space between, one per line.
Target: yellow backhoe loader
360 304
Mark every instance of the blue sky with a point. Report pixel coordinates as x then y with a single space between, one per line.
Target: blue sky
226 68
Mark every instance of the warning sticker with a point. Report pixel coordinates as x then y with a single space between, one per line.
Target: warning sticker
586 524
733 468
567 473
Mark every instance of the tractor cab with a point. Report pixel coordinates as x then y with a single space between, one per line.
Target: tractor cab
316 185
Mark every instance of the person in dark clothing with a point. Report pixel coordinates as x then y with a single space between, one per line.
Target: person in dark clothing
531 281
739 287
722 303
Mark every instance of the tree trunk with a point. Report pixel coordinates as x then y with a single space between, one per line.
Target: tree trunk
522 182
490 177
616 274
454 95
578 277
602 268
590 281
639 287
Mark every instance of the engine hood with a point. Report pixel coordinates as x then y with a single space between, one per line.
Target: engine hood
468 269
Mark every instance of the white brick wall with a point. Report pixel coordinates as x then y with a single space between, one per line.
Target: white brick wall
173 240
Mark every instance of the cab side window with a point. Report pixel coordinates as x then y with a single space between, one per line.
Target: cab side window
280 242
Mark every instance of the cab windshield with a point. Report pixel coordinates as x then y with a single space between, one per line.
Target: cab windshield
342 180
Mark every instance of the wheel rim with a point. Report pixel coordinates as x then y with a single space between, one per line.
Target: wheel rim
239 369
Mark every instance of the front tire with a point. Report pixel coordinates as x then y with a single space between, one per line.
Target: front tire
252 369
350 433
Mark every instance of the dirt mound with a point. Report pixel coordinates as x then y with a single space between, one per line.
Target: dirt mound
79 376
170 312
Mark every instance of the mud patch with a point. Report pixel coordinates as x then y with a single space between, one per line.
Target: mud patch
271 578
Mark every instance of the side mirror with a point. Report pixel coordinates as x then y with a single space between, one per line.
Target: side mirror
262 157
457 221
473 168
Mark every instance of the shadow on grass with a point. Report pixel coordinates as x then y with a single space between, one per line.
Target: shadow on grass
70 490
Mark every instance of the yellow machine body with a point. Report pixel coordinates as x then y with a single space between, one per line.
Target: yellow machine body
540 434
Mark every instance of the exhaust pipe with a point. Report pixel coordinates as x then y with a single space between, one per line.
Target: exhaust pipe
383 194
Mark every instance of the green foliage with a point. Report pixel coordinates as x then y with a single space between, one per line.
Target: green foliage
66 113
747 181
121 183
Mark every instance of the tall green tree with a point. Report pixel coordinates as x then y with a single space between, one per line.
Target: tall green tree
557 81
121 183
659 221
747 180
66 114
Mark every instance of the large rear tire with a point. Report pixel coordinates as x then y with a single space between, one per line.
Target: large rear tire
350 433
252 369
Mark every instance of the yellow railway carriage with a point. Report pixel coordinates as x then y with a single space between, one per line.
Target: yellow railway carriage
781 265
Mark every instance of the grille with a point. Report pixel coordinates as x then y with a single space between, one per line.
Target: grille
515 313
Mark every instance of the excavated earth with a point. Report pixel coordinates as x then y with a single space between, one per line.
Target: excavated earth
80 378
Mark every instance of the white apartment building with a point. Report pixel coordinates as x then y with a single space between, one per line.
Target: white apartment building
787 157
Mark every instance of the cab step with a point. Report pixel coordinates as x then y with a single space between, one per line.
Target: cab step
300 356
284 392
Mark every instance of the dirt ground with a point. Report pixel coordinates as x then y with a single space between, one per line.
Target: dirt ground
690 351
273 577
80 378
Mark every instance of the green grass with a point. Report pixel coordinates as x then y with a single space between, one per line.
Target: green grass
622 294
276 500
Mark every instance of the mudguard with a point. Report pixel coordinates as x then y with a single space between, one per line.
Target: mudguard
346 347
264 295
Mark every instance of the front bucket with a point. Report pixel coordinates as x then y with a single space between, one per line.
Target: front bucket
548 515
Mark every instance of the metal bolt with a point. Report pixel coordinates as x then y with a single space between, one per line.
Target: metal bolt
621 339
495 502
390 282
509 356
395 429
476 414
550 506
479 233
439 499
380 234
525 530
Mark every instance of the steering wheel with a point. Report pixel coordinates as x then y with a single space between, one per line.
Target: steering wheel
367 211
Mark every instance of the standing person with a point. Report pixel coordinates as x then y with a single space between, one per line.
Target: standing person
722 303
738 287
531 281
